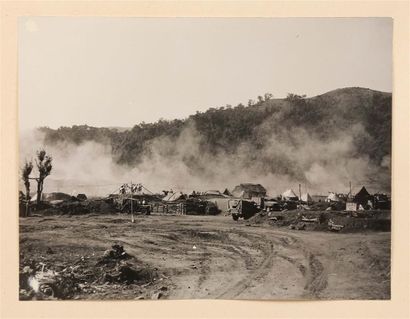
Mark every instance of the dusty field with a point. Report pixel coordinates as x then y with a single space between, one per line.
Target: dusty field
210 257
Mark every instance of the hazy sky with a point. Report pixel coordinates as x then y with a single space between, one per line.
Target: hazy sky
122 71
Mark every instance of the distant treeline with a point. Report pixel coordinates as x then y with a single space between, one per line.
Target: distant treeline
225 128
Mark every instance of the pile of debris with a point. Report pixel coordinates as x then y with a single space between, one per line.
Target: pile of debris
42 281
326 220
117 270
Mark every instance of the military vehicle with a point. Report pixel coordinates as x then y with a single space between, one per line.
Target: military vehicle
241 208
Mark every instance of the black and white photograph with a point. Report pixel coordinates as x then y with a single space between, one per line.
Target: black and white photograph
204 158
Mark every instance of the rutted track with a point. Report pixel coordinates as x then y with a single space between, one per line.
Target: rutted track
215 257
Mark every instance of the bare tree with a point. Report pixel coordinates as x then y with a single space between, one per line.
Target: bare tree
25 176
44 167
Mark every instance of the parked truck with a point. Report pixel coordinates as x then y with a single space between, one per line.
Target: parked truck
240 208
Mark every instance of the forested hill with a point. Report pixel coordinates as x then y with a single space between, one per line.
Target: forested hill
267 135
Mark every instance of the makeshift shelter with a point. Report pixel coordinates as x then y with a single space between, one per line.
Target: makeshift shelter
249 191
227 192
362 197
172 197
289 195
332 198
222 203
213 193
306 198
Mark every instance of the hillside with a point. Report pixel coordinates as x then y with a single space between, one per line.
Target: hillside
345 132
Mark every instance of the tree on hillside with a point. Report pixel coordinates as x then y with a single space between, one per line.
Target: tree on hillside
291 97
44 167
268 96
25 176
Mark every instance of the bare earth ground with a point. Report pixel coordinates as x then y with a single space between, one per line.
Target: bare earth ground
214 257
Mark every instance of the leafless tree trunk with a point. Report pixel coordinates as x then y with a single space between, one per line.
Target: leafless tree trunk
39 190
44 166
25 176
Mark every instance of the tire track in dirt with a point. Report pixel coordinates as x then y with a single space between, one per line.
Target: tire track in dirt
206 270
312 269
288 248
240 258
251 277
258 274
256 255
316 277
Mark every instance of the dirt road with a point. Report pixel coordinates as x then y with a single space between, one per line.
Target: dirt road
216 257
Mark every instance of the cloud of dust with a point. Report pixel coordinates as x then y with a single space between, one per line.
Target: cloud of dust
281 164
86 168
180 163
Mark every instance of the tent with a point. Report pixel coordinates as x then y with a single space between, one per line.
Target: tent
289 195
227 192
172 197
306 198
362 197
332 198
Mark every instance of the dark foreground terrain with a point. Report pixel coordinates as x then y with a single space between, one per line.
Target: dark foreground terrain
180 257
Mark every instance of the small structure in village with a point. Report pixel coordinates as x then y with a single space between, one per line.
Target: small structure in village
174 196
351 206
249 191
219 199
333 198
363 198
306 199
289 195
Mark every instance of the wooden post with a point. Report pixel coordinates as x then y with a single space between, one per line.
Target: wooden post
132 204
300 195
